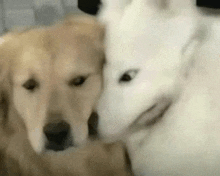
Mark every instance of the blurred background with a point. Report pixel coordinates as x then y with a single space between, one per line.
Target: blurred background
18 13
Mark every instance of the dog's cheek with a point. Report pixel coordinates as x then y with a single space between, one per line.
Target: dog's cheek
80 134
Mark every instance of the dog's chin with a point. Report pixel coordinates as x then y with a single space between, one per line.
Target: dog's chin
42 146
67 150
61 152
58 148
111 137
53 148
151 116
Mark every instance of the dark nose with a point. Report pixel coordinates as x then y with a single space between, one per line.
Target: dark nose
58 135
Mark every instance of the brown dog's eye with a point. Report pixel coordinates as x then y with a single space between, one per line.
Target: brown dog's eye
78 81
31 84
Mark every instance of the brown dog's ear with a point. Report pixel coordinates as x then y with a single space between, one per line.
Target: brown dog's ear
3 102
4 69
7 45
89 26
100 36
8 50
3 98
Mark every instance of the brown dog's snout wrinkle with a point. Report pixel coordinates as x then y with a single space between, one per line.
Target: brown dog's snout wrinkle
54 117
58 135
55 104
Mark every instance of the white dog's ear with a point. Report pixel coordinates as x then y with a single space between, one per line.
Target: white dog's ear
115 4
112 10
158 4
95 32
174 5
182 4
191 48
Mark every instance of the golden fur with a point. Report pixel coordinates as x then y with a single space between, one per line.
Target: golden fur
95 159
53 56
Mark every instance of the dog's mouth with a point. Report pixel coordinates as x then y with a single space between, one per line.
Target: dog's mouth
59 144
59 137
152 115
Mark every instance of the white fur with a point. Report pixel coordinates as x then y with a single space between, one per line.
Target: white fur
111 10
37 139
163 43
153 42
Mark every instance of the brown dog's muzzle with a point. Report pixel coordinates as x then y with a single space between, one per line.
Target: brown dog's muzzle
58 135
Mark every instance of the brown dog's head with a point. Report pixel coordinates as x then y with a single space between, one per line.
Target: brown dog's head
52 77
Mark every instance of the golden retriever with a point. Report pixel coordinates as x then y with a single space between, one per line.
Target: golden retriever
94 159
52 77
50 80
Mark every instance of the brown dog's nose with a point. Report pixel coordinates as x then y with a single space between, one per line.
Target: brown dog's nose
58 135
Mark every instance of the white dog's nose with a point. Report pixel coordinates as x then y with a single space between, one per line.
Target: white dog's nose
58 136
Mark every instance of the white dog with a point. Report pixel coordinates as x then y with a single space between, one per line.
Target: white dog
161 86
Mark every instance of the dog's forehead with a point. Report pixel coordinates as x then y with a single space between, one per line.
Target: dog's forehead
76 48
41 64
135 43
166 30
31 61
77 59
46 51
69 66
129 51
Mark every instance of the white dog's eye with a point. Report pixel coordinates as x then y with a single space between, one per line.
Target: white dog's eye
30 84
78 81
128 76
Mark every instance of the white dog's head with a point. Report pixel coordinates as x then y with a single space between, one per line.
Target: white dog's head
148 50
